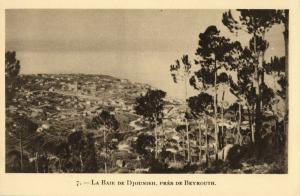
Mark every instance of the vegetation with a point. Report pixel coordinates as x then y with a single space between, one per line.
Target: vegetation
209 132
150 106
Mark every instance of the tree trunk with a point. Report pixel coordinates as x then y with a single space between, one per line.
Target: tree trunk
215 110
156 138
188 140
36 163
105 151
257 90
21 150
252 126
222 120
178 145
239 125
262 80
256 77
81 162
275 113
258 122
251 123
186 121
200 146
59 165
206 142
163 132
184 146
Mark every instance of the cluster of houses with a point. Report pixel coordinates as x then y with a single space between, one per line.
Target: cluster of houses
62 96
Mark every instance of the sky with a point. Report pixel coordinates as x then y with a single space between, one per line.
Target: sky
139 45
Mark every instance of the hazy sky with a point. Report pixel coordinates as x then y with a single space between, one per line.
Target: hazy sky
136 44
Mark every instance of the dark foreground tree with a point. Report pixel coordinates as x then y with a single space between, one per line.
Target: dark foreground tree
144 144
23 128
12 69
215 52
200 106
76 142
108 124
151 106
256 23
90 161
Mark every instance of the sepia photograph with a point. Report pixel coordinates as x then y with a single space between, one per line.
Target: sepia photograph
151 91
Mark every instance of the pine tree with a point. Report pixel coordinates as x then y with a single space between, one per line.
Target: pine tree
108 124
182 73
151 106
200 106
215 52
256 23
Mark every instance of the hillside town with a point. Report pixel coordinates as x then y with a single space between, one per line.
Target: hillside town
60 105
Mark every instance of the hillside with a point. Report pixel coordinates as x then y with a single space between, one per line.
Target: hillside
48 110
61 104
